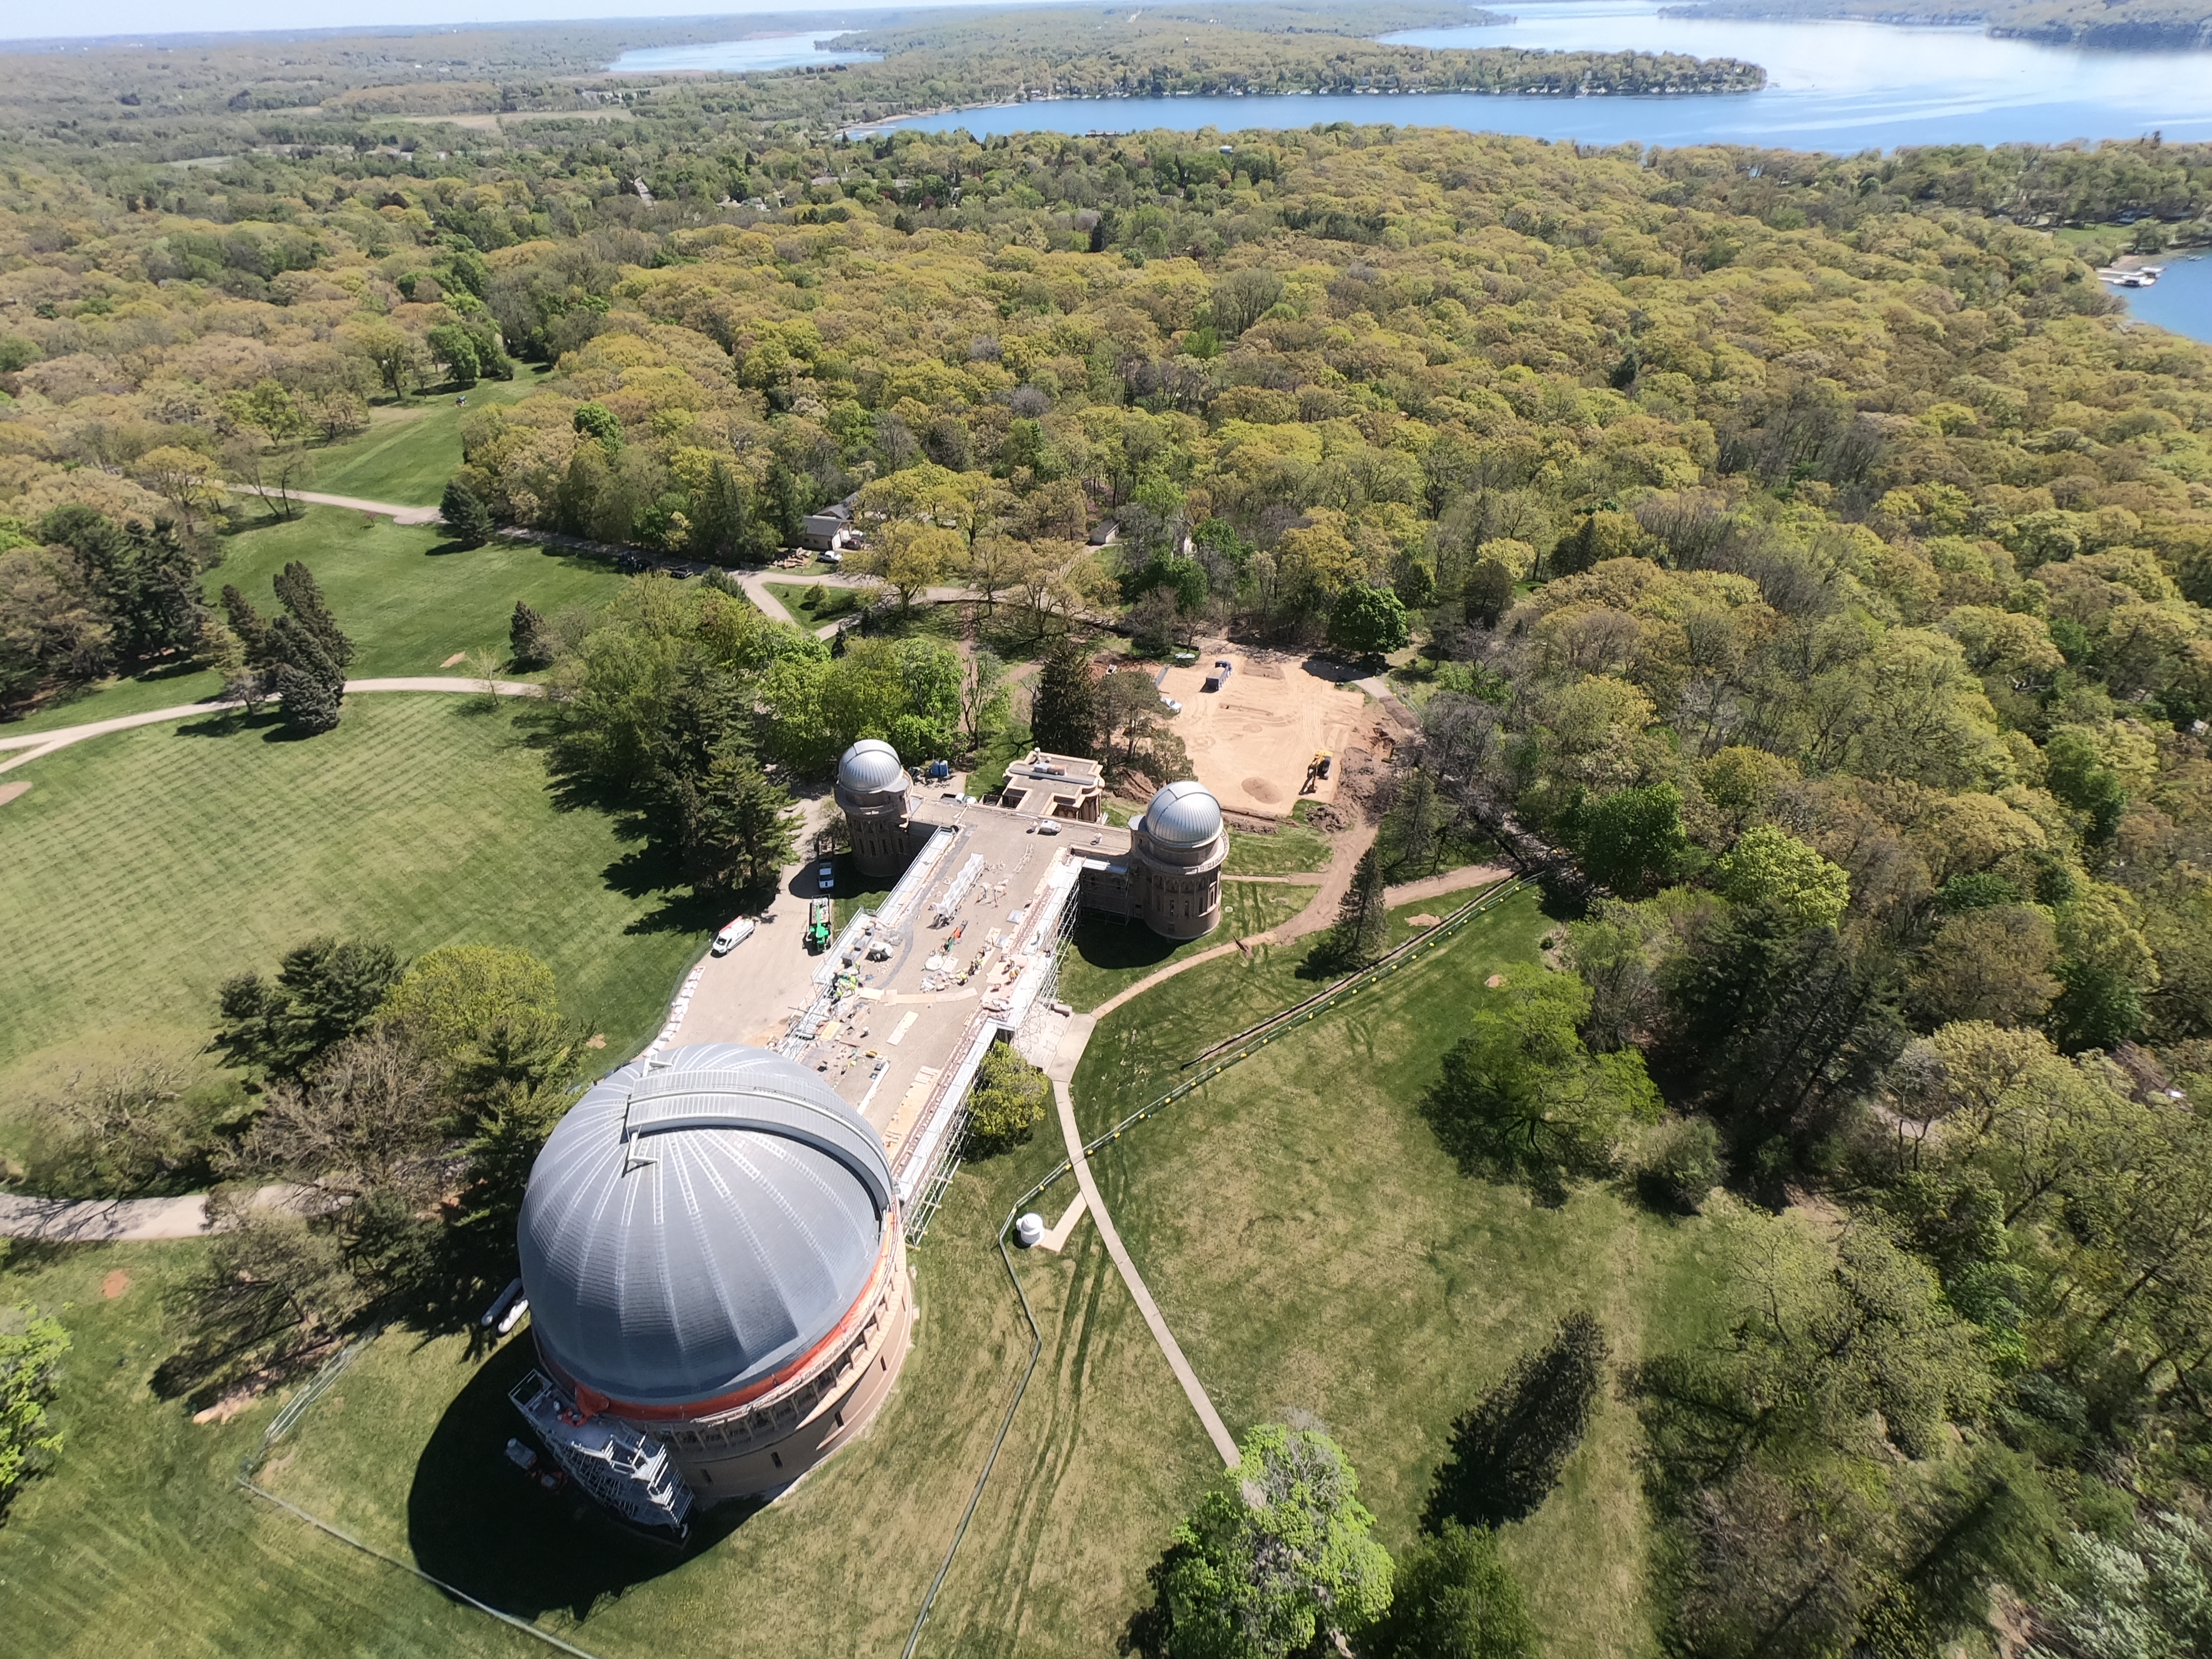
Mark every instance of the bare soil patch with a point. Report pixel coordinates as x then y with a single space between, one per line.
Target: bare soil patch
114 1284
1252 740
458 656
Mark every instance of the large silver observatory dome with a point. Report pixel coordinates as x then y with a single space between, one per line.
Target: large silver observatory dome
1183 814
870 767
699 1221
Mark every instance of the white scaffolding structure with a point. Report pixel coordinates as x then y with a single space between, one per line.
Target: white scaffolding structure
631 1474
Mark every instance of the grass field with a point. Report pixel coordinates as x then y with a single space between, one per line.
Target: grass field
410 450
145 867
1291 850
1313 1250
1316 1254
138 1543
1108 957
813 603
406 597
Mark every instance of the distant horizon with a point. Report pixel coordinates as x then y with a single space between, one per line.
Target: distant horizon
129 22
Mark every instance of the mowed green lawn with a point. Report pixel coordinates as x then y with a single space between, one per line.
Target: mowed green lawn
410 450
1319 1258
1289 850
144 867
138 1543
1107 956
1316 1254
815 603
406 597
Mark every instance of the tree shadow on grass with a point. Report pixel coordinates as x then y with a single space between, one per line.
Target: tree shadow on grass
229 722
648 872
482 1525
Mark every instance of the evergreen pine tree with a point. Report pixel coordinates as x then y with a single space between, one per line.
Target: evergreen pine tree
721 513
302 597
1064 716
309 705
292 645
1362 922
465 515
251 627
738 826
1417 822
530 636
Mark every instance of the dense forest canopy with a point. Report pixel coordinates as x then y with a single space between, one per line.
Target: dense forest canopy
1808 558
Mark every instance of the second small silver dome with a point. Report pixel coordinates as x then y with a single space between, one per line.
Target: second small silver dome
1183 814
870 767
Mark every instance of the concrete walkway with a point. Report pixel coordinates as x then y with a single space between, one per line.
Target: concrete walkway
1320 913
1063 1068
392 510
109 1220
45 743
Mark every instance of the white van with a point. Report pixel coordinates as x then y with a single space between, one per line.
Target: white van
733 935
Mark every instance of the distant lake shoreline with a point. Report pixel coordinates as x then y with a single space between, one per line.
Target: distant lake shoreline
1842 86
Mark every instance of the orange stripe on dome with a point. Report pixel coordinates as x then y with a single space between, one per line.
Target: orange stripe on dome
591 1400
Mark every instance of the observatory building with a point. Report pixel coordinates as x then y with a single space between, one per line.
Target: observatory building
713 1239
1168 876
716 1277
878 800
1175 857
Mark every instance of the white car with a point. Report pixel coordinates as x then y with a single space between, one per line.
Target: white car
733 935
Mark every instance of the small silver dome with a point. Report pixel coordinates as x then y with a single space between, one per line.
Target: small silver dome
691 1229
1183 814
870 767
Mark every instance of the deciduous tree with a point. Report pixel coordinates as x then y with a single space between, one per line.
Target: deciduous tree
1276 1556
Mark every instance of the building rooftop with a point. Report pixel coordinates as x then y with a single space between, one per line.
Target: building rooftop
699 1221
1183 814
909 991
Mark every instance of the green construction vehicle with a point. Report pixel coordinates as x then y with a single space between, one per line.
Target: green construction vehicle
818 924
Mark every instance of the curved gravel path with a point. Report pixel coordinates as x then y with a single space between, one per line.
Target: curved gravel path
392 510
1320 912
45 743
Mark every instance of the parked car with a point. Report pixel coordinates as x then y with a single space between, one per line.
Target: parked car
733 935
825 877
1048 828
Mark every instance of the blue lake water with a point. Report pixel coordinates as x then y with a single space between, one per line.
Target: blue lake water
1843 87
2183 298
1833 86
773 52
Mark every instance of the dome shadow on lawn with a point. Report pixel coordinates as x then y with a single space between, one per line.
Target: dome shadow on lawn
482 1525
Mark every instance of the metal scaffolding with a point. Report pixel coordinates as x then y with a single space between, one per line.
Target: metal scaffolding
631 1474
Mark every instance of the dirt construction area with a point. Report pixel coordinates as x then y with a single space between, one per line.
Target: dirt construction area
1252 740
